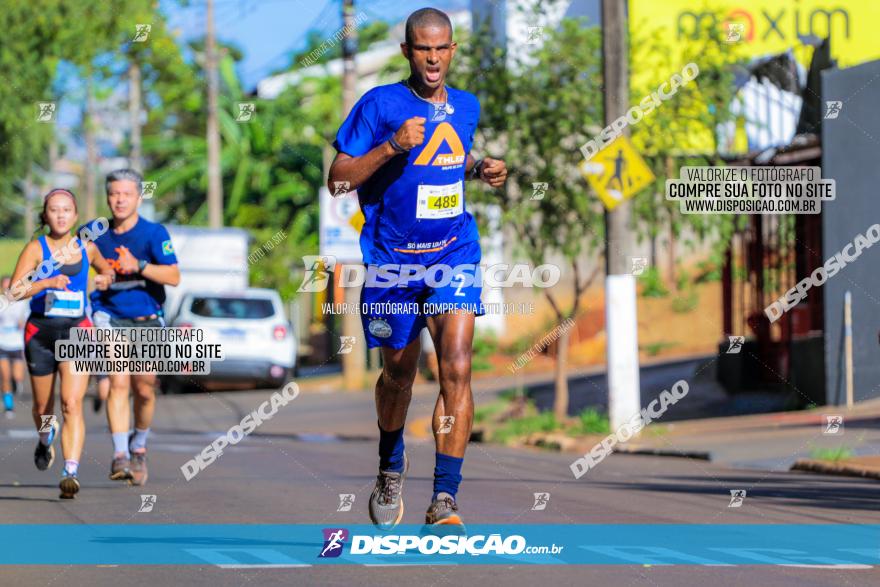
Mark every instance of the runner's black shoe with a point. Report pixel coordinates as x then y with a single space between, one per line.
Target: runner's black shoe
44 455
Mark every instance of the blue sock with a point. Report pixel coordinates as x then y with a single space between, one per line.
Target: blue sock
447 475
120 444
391 450
138 440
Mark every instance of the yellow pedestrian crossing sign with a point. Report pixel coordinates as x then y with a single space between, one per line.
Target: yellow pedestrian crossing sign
357 221
617 172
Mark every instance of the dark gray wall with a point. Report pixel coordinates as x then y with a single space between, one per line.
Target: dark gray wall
851 156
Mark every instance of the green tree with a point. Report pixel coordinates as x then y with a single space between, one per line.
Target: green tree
271 166
534 115
538 109
697 108
37 37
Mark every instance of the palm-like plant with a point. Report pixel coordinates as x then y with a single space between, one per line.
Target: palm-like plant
271 161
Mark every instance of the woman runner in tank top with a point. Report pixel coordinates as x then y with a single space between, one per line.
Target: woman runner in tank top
53 271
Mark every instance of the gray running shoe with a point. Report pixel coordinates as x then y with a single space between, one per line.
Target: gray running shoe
69 486
138 468
386 501
120 469
443 511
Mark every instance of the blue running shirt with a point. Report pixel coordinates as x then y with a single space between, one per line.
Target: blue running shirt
414 205
133 295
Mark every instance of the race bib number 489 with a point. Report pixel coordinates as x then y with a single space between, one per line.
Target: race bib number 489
440 201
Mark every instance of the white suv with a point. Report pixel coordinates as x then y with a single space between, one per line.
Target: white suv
257 340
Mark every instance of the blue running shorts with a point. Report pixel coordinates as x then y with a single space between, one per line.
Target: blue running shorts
396 300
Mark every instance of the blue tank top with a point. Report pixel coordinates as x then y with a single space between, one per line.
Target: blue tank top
68 302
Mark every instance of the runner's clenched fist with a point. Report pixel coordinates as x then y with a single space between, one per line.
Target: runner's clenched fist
493 172
411 133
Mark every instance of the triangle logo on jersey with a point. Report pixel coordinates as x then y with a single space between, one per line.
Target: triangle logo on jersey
444 133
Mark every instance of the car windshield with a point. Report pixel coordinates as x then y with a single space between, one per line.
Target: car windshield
237 308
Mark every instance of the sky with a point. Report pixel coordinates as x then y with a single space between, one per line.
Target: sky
267 30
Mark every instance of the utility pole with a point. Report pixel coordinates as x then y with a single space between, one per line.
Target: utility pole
135 155
134 114
91 150
28 205
349 49
215 184
48 182
353 363
620 289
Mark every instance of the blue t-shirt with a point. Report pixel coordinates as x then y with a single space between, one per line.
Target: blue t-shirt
414 205
133 295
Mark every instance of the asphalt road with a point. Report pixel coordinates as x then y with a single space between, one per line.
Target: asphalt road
293 470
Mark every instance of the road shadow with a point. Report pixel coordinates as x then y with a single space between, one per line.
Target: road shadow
706 397
19 498
794 489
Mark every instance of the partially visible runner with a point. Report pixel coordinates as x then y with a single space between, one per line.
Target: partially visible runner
58 303
143 257
405 148
102 380
12 321
102 391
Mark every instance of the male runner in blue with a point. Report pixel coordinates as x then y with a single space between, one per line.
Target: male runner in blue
412 195
143 257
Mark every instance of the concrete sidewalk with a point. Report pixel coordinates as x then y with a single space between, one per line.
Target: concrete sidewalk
772 442
852 467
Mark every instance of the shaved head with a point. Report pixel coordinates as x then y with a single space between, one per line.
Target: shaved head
424 18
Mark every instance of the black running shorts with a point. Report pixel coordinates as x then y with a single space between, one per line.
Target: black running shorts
40 334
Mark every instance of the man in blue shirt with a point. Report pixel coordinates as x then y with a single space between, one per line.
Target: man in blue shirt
143 257
405 148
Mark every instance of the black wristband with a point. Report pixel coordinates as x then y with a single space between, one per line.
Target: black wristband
142 264
396 146
477 169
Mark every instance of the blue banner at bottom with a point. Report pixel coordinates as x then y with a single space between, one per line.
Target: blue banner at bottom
266 545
